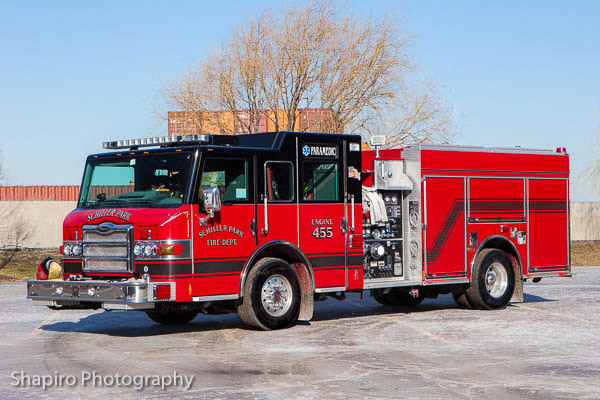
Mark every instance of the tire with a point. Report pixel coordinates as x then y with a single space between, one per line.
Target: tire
379 297
398 297
271 295
492 281
173 317
462 299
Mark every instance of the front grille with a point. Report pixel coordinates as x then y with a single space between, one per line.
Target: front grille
107 248
104 250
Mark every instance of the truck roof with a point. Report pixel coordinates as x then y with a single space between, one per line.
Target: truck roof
267 141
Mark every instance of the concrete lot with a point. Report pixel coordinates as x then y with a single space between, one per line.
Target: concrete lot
546 347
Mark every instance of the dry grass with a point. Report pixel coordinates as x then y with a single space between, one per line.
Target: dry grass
24 264
585 253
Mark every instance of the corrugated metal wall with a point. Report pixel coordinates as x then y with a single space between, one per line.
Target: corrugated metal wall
39 193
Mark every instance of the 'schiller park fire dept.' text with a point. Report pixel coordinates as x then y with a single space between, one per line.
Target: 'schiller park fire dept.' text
266 224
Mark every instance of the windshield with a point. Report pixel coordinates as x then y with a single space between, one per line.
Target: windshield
141 180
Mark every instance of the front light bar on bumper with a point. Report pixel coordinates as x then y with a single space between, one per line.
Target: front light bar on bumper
126 295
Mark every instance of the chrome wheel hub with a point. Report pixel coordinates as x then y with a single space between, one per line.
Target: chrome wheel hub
496 280
276 295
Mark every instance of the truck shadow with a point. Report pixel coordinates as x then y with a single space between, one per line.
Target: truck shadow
353 306
137 324
531 298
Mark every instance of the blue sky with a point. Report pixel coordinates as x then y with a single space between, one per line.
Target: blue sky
74 74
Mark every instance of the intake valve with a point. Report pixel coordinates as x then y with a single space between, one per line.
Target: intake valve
377 250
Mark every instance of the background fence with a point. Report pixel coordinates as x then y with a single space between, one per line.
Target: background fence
45 207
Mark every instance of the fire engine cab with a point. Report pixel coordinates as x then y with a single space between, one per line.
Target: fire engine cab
265 224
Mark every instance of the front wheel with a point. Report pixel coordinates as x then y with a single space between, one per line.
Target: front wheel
271 295
493 280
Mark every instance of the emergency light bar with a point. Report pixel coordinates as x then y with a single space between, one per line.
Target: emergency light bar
155 141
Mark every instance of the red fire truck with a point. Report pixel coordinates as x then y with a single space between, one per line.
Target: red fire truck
265 224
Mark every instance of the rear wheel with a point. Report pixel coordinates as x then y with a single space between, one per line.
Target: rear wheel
493 280
396 297
378 296
271 295
461 299
173 317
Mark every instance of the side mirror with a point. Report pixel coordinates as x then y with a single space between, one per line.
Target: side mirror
212 199
212 202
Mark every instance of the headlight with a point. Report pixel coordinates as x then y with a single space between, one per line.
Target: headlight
67 250
76 250
148 249
137 250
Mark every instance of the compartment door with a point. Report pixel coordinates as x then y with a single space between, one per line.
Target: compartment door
548 220
445 230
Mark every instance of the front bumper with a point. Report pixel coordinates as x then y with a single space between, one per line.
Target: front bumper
125 295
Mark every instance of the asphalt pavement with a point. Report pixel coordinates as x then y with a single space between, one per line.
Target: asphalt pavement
543 348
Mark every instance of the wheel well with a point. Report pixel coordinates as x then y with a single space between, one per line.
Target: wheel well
500 243
286 251
282 251
298 261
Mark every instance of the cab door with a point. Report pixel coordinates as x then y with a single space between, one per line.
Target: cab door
277 208
222 243
322 212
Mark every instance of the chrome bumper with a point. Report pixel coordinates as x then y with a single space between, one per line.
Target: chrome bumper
128 295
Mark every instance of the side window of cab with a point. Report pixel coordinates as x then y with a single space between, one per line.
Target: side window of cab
230 176
320 181
279 181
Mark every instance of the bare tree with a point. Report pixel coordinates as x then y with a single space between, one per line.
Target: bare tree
585 217
419 115
591 173
315 56
15 228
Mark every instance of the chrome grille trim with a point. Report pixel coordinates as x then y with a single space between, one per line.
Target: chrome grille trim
101 242
95 236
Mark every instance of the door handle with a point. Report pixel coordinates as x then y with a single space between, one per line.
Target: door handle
265 230
343 225
253 227
351 196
